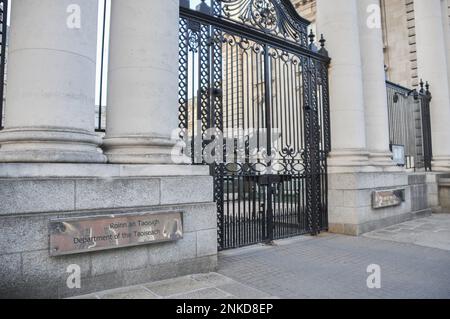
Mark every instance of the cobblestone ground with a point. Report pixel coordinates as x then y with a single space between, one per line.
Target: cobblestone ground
414 258
333 266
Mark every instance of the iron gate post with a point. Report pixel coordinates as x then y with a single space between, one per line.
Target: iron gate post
268 107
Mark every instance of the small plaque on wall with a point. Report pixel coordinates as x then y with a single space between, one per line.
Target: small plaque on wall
398 153
388 198
94 233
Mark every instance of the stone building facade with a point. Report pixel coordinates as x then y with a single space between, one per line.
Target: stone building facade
54 166
399 37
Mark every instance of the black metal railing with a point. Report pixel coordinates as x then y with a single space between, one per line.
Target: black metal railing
100 108
410 125
3 53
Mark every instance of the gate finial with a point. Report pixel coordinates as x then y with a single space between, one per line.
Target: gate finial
322 50
203 7
427 92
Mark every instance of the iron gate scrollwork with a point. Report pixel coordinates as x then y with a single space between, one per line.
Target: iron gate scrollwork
253 104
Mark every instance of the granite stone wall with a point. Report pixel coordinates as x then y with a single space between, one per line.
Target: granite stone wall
350 198
27 205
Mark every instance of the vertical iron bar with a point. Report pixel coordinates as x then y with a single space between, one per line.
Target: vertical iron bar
217 119
183 80
427 140
268 108
4 39
102 65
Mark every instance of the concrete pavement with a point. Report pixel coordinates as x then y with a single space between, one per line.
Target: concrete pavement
414 261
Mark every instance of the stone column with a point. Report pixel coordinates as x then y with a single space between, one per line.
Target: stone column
432 66
445 4
339 23
374 83
143 81
50 105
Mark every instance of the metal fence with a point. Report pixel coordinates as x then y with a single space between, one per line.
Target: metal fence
100 108
409 125
3 49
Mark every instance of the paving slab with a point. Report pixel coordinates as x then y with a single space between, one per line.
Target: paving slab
242 291
198 286
208 293
128 293
175 286
433 231
86 297
212 279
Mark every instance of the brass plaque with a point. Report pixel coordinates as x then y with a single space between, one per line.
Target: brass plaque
388 198
86 234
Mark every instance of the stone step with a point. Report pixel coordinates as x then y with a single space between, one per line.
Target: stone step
444 182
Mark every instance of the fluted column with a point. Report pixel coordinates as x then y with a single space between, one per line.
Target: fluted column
339 22
433 66
374 83
446 23
50 105
143 81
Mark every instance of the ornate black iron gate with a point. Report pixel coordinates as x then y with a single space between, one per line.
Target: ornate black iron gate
253 98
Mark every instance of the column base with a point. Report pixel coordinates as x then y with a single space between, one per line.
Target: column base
141 150
361 161
348 161
50 145
441 164
383 161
